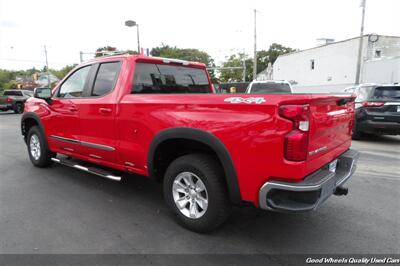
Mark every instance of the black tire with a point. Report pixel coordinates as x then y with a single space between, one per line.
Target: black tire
357 134
19 108
44 159
208 170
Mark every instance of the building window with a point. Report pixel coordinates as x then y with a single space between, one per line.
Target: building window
312 64
378 53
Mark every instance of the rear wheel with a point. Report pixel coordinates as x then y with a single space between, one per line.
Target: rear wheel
194 189
39 153
19 108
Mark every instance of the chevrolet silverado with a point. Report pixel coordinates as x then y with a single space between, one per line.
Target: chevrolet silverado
160 118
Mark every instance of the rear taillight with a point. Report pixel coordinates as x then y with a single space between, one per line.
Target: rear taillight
372 104
9 100
296 141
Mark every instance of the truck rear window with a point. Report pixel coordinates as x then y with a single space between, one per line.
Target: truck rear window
270 88
159 78
13 93
387 93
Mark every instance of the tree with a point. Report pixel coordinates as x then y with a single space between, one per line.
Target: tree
188 54
6 77
11 85
63 71
236 75
131 52
263 58
275 50
103 50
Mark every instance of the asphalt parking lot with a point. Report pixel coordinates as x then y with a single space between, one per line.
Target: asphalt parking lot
62 210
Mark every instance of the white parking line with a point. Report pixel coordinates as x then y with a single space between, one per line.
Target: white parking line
377 176
383 154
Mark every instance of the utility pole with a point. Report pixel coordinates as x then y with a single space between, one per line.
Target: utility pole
360 44
47 68
255 46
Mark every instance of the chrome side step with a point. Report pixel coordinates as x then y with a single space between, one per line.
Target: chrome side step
91 170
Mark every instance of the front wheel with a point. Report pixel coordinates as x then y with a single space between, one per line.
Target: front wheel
39 153
357 135
195 190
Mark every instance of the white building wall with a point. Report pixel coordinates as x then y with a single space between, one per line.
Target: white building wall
334 64
388 45
372 71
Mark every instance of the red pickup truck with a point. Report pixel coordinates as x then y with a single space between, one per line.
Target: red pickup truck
160 118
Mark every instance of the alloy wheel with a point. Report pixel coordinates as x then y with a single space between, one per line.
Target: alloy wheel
34 145
190 195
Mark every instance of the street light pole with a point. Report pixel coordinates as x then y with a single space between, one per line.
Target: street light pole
360 44
138 42
255 46
131 23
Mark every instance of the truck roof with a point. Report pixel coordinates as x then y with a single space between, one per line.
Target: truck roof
271 81
148 59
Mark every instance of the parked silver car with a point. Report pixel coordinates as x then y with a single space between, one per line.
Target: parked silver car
269 87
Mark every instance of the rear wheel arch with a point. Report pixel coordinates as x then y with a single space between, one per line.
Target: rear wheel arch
202 140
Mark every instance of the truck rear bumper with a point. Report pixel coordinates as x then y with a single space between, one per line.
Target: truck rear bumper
312 191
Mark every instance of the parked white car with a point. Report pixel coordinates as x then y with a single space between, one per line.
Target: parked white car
269 87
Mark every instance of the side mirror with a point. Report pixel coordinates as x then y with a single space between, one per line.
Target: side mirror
42 93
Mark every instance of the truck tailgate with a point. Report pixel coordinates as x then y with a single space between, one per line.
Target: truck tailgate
331 121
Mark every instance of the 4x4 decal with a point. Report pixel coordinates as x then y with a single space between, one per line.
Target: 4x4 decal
256 100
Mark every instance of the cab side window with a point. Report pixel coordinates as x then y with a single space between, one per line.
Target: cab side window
73 87
106 78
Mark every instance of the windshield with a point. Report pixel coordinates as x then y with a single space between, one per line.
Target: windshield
270 88
13 93
158 78
387 93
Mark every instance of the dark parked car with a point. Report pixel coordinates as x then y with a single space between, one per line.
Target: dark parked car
14 100
377 110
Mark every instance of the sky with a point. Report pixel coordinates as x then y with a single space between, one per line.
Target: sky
218 27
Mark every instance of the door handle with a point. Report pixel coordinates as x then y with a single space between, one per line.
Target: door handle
105 110
73 109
